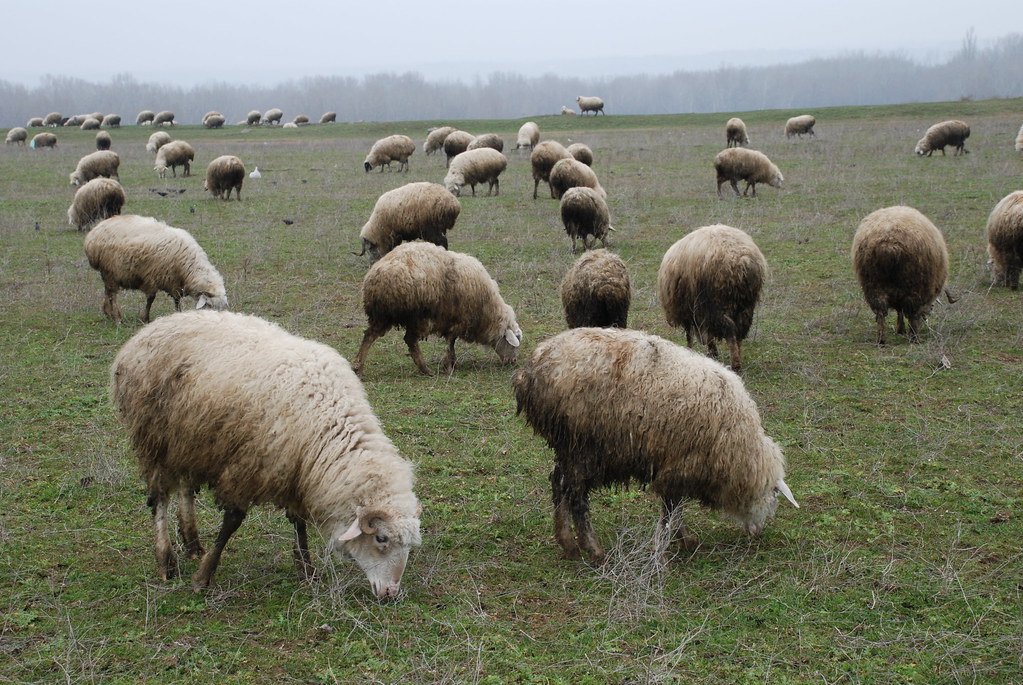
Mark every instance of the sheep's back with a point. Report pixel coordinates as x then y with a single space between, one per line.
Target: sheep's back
898 253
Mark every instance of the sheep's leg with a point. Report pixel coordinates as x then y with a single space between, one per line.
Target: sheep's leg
735 354
689 337
735 186
562 515
412 340
720 181
368 338
880 328
149 305
110 308
187 525
536 184
497 187
166 562
915 321
671 526
449 358
580 504
303 561
712 348
901 328
208 566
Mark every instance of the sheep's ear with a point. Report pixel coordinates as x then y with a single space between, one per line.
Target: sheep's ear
784 489
511 338
353 531
202 302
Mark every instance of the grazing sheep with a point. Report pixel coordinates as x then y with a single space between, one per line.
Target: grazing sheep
528 136
211 113
1005 239
735 133
482 165
428 290
164 117
74 121
224 174
17 135
590 104
157 140
567 111
901 263
41 140
99 199
140 253
584 213
596 291
99 163
397 148
112 121
328 118
90 124
174 154
237 404
52 119
571 173
435 139
797 126
144 117
290 124
98 116
946 133
620 406
214 121
455 143
740 164
581 152
35 122
300 120
103 141
710 282
543 158
415 211
273 116
1019 138
491 140
253 118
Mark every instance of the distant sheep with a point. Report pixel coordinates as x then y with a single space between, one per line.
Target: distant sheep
428 290
567 111
214 121
273 116
253 118
735 133
590 104
1019 138
290 124
620 406
455 143
144 117
99 199
41 140
584 213
528 136
797 126
397 148
300 120
224 174
491 140
75 121
90 124
709 283
596 291
17 136
99 163
174 154
740 164
140 253
235 403
164 117
901 262
543 158
435 139
112 121
581 152
103 141
946 133
328 118
211 113
415 211
156 141
52 119
35 122
482 165
1005 239
571 173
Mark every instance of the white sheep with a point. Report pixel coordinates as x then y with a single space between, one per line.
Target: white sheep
211 113
164 117
145 117
397 148
300 120
1019 139
946 133
596 291
224 174
214 121
290 124
567 111
543 158
584 213
112 121
235 403
157 140
17 135
1004 233
172 155
273 116
435 139
99 163
590 104
99 199
34 122
571 173
415 211
455 143
52 119
752 166
328 118
428 290
528 136
797 126
482 165
140 253
41 140
491 140
253 118
735 133
90 124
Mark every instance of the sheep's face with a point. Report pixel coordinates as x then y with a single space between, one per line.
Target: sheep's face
776 178
76 179
215 301
379 540
507 345
922 148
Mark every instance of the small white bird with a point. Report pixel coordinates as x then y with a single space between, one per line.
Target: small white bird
255 173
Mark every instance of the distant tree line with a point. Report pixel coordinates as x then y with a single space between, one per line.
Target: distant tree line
854 79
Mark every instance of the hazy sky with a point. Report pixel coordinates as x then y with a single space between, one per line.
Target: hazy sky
256 41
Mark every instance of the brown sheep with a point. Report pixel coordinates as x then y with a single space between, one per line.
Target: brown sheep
584 213
455 143
739 164
423 210
1005 239
582 152
172 155
797 126
224 174
596 291
946 133
99 199
435 139
571 173
543 158
735 133
397 148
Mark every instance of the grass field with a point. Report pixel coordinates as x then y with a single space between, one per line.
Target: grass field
903 564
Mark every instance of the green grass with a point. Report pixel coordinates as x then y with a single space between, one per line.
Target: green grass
903 564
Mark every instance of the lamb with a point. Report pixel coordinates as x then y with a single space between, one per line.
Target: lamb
482 165
290 124
99 163
17 135
174 154
571 173
236 403
596 291
1005 239
735 133
273 116
300 120
740 164
35 122
103 141
946 133
528 136
619 405
214 121
144 117
710 282
435 139
90 124
567 111
52 119
328 118
99 199
797 126
41 140
112 121
543 158
140 253
422 210
157 140
901 262
491 140
1019 138
253 118
428 290
224 174
164 117
584 213
590 104
455 143
581 152
397 148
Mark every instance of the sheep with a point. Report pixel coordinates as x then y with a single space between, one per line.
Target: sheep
435 139
581 152
99 199
428 290
328 118
237 404
156 141
140 253
41 140
543 158
491 140
90 124
571 173
273 116
584 213
937 137
1019 138
103 141
590 104
112 121
300 120
99 163
397 148
455 143
740 164
144 117
52 119
290 124
596 291
164 117
1005 239
211 113
901 262
710 282
567 111
174 154
98 116
253 118
528 136
422 210
214 121
482 165
224 174
75 121
17 135
797 126
35 122
735 133
618 406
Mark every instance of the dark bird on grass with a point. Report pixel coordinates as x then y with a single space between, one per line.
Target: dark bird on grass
288 222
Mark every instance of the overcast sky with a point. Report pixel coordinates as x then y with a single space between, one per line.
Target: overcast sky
188 42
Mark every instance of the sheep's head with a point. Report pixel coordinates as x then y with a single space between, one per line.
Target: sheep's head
776 178
76 178
379 540
216 301
454 182
507 343
922 148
